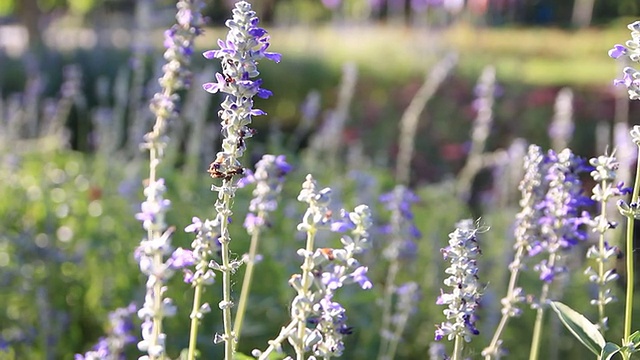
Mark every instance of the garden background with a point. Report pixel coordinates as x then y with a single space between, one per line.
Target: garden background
76 77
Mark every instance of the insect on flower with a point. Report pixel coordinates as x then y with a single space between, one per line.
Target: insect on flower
328 253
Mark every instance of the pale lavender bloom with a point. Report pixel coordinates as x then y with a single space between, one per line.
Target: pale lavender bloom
618 51
464 298
111 347
359 275
631 50
322 318
269 178
604 174
205 244
561 226
182 258
245 45
402 229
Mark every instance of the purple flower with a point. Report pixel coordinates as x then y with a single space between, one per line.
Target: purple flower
561 223
269 178
334 279
464 297
630 50
239 54
359 275
617 51
118 337
182 258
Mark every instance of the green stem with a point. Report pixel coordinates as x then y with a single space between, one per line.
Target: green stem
195 321
226 303
629 296
154 233
306 267
513 280
629 253
457 348
276 343
537 334
601 268
246 282
537 328
392 273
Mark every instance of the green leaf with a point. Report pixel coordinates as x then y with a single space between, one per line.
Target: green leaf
635 338
580 327
609 350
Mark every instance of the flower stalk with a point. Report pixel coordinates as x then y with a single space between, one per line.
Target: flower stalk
245 45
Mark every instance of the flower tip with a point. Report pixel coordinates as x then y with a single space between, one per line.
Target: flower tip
210 88
210 54
617 51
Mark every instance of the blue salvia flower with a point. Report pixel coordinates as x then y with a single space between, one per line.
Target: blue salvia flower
245 45
604 174
318 322
157 245
402 247
561 224
203 247
464 296
268 178
407 295
179 40
150 254
631 77
119 335
402 228
533 189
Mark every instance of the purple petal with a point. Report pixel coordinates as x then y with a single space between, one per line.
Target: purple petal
617 51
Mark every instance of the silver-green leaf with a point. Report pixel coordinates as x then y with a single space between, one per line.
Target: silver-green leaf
609 350
583 329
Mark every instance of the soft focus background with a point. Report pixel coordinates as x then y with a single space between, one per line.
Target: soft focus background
75 80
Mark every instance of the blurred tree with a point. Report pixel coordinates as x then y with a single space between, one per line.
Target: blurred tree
28 13
582 13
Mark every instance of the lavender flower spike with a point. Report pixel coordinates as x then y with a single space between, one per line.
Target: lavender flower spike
318 322
604 173
245 45
465 295
157 245
119 335
269 177
630 50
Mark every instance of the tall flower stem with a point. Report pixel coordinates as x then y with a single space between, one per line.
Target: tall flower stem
601 270
457 348
195 321
246 282
245 45
226 303
307 267
493 348
628 308
537 327
392 273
